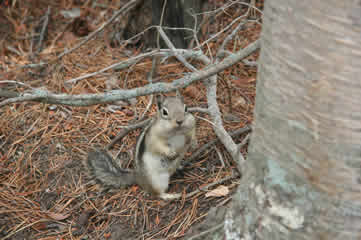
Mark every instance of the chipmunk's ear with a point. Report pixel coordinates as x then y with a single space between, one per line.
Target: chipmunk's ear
159 101
179 95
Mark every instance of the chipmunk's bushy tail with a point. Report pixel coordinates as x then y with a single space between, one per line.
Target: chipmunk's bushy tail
106 172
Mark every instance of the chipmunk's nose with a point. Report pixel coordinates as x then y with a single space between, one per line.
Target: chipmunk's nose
179 122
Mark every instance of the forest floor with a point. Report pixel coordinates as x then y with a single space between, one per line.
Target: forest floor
45 192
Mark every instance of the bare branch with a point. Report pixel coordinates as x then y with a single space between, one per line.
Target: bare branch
41 95
229 37
220 32
172 48
214 112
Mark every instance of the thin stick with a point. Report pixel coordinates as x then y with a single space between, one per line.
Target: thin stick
220 157
172 48
207 231
161 22
119 66
43 29
229 37
16 82
151 76
214 141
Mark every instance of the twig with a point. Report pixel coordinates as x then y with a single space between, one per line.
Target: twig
207 231
8 94
161 21
12 49
43 30
220 157
195 30
220 32
206 120
60 33
18 99
244 141
151 27
250 63
151 76
214 112
150 103
229 25
118 66
211 143
172 48
229 37
16 82
244 61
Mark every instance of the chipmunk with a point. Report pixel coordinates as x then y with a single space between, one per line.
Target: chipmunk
159 151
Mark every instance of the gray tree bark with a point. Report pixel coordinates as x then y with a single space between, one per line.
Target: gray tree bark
303 177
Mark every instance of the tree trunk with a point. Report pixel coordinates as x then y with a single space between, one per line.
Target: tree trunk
172 17
177 14
303 178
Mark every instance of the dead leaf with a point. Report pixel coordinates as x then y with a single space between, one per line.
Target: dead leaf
191 91
157 220
240 101
134 189
41 226
58 216
220 191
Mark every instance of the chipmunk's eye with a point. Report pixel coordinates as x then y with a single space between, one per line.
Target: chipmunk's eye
165 112
185 108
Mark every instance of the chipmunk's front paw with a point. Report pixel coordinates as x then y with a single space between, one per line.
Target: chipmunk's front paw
172 155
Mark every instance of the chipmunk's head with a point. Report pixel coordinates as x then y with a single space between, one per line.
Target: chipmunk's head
173 113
